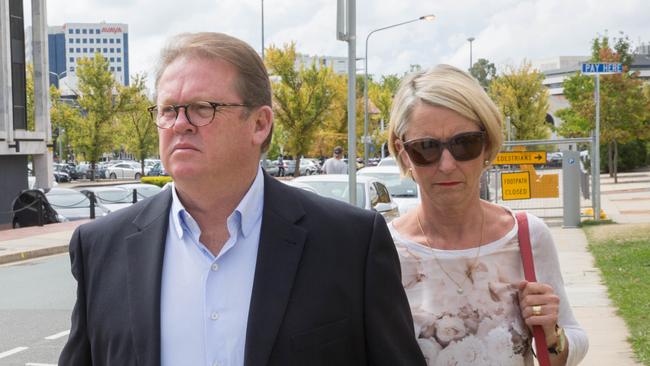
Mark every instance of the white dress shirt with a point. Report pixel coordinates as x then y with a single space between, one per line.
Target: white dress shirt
205 299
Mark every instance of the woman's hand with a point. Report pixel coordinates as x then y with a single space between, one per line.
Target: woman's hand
540 306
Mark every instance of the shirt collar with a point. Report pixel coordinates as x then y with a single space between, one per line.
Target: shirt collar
249 209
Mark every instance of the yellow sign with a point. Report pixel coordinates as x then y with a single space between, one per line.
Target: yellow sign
515 186
520 157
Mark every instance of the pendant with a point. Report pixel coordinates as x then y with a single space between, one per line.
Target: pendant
459 290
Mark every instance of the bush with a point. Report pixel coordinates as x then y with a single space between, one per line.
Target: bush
158 181
630 156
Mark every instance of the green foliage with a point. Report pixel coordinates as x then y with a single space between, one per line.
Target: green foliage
302 98
29 90
484 71
100 102
624 261
520 95
158 181
63 116
136 129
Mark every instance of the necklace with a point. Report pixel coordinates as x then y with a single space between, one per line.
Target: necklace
470 269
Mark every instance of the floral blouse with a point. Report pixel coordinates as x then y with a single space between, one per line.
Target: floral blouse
482 324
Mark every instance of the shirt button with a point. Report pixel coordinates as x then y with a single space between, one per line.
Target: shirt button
214 315
214 267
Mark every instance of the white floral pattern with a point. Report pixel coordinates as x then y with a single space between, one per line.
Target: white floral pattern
483 325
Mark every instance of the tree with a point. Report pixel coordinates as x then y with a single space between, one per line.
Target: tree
64 116
137 130
623 105
29 91
100 102
520 96
381 95
302 96
484 71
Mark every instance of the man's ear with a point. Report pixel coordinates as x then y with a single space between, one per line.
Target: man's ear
262 122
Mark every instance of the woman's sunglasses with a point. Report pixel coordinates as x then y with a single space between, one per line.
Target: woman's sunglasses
463 147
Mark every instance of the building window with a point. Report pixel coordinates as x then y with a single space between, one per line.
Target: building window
71 50
112 68
119 68
71 68
71 59
112 59
119 50
85 50
76 31
118 40
84 31
92 50
92 40
70 31
96 31
112 50
119 59
78 49
104 40
111 40
105 50
91 31
85 40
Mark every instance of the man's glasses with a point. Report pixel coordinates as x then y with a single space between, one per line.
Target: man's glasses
463 147
198 113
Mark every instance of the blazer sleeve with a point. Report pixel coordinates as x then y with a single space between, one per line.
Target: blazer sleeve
76 351
390 336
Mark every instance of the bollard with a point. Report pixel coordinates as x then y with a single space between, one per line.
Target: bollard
39 209
135 195
91 197
571 188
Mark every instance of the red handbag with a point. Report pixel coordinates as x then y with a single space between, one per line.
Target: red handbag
529 274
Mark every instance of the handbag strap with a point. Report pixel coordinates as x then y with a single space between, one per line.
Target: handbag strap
529 274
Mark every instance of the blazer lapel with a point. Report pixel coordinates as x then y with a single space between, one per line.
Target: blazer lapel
280 249
144 273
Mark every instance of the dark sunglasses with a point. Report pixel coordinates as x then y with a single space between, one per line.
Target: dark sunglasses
463 147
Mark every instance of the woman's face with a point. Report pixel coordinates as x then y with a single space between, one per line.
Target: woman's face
446 182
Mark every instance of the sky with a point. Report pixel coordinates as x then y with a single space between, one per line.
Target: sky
506 32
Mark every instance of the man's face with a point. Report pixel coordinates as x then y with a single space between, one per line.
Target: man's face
215 150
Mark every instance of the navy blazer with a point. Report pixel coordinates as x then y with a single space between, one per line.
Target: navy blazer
327 287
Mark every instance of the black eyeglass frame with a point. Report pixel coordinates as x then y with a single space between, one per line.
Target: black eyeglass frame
448 145
153 111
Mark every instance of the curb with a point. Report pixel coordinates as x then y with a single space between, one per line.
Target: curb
31 254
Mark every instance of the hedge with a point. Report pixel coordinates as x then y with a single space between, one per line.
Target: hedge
158 181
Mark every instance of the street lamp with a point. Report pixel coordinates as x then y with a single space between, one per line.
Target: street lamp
365 82
470 39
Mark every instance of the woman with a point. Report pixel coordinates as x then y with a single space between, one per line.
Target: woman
460 257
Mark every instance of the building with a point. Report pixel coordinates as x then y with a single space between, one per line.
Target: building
338 64
69 43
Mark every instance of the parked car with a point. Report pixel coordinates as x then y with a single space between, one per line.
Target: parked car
387 161
143 190
124 170
372 194
61 176
157 170
405 191
109 196
57 205
269 167
306 167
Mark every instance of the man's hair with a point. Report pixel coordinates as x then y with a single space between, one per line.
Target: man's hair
253 84
338 150
448 87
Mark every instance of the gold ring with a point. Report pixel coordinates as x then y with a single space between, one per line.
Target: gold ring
537 310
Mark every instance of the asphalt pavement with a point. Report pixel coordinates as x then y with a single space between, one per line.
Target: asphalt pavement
627 201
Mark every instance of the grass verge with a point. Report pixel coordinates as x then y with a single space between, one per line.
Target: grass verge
622 253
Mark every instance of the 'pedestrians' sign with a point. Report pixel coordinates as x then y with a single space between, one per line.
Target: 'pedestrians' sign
602 68
515 186
520 157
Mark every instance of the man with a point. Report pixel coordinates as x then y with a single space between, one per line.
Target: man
230 266
335 164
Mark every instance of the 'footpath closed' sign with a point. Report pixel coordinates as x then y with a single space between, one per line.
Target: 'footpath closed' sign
515 186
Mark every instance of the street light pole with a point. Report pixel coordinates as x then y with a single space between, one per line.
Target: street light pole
365 82
470 39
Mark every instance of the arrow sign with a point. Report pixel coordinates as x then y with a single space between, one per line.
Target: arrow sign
520 157
602 68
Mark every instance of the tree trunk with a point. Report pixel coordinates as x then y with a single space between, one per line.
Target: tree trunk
615 162
296 172
609 159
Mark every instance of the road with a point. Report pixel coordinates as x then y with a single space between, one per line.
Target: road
35 306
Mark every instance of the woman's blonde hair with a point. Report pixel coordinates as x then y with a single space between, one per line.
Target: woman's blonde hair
451 88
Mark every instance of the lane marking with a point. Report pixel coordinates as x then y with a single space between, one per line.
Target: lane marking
12 351
58 335
39 364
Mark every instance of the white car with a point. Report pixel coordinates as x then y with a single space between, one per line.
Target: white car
403 190
113 198
372 194
387 161
124 170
